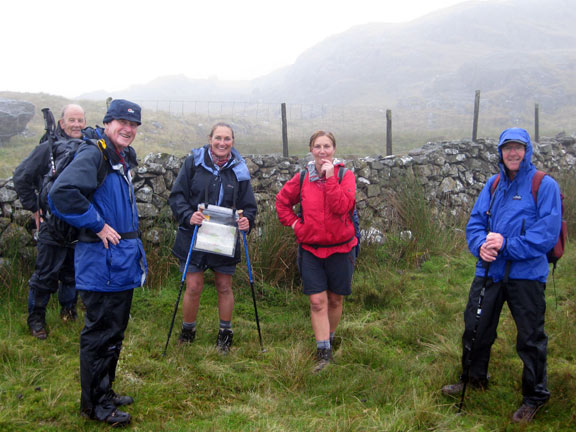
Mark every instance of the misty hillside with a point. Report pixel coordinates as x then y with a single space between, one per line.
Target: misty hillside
523 49
515 51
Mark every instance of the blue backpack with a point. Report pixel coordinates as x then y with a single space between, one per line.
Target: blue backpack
353 212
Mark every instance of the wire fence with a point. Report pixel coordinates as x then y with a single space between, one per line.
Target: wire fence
359 130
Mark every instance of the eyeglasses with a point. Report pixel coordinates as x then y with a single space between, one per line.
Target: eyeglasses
518 148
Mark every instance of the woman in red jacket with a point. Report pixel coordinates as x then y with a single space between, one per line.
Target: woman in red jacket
326 237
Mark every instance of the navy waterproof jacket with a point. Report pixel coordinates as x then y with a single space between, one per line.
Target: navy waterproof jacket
199 181
78 199
530 229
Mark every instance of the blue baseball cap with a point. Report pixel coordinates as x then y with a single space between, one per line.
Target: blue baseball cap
121 109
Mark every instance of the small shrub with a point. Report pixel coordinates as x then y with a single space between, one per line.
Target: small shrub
272 249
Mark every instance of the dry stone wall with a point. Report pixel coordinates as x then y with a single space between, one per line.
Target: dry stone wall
451 174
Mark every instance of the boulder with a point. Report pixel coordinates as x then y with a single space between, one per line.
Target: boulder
14 116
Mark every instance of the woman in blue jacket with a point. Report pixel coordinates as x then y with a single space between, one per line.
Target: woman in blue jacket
510 233
215 174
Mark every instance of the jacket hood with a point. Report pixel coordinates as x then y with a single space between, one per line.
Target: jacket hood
237 162
521 136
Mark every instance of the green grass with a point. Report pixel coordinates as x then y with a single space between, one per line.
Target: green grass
400 342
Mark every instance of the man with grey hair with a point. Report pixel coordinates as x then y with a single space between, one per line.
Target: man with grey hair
105 211
54 270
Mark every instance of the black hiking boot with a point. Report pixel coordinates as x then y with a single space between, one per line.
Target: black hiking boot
186 336
120 400
68 315
224 341
116 419
38 330
323 359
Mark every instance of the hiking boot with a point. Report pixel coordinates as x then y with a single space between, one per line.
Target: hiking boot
186 336
116 419
323 359
456 389
224 341
120 400
525 413
38 331
68 315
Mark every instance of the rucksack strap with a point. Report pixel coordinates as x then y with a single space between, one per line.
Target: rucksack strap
536 180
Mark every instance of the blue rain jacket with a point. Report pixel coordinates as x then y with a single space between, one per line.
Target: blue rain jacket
77 198
529 229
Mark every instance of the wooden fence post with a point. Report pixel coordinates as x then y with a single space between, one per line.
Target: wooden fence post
476 115
537 123
284 131
388 132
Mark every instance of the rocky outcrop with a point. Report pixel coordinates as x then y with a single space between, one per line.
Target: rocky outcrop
451 175
14 116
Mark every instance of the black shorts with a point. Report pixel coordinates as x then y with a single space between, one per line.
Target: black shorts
333 273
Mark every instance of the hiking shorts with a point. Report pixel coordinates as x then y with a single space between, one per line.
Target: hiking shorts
333 273
228 270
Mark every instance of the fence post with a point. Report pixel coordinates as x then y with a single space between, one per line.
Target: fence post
388 132
537 123
284 131
476 115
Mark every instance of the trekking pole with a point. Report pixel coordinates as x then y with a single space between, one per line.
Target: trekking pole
470 346
252 285
181 286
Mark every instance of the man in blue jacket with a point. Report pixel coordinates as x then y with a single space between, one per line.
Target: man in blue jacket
109 260
511 233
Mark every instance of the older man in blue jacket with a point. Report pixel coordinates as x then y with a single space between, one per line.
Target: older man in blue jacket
109 261
511 233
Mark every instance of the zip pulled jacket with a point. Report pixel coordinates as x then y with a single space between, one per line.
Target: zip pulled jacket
530 229
199 181
325 227
78 199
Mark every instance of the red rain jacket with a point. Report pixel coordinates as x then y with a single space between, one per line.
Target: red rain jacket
326 227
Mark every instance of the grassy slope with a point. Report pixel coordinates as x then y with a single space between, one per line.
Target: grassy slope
399 345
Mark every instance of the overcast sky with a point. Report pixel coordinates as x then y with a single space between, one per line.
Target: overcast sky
66 47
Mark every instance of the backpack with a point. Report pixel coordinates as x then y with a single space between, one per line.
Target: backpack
353 213
557 251
62 152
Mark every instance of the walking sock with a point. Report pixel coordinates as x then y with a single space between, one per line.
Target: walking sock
332 338
323 344
225 325
189 326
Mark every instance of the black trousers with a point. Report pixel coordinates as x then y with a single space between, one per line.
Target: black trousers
526 301
105 321
54 272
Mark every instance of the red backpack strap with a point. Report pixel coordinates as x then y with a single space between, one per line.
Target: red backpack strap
494 184
536 180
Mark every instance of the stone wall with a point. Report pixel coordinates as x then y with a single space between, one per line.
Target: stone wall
451 173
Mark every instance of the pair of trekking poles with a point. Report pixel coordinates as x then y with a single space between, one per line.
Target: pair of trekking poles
183 281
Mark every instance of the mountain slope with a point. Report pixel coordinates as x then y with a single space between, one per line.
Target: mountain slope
492 46
516 52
